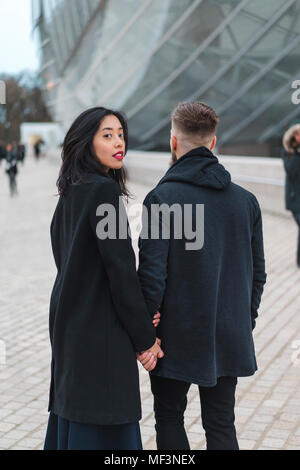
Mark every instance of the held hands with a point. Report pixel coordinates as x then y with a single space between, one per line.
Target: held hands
149 358
156 319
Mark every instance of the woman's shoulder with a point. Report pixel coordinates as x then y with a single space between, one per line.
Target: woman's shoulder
104 189
101 182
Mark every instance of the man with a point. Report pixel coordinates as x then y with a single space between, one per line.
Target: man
208 292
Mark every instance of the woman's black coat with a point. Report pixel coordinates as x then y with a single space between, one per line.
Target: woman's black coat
292 186
98 316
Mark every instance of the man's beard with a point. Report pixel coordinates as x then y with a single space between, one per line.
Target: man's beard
174 159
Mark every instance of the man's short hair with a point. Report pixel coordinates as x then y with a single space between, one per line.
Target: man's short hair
195 119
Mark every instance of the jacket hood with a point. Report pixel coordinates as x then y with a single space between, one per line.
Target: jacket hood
288 138
199 167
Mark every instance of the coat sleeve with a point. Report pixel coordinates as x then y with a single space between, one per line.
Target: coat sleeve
110 226
153 255
259 274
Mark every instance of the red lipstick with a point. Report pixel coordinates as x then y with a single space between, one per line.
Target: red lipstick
119 155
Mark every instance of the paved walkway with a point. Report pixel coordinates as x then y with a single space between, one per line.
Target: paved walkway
268 404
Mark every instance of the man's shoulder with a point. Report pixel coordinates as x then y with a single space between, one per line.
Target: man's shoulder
153 196
242 192
160 191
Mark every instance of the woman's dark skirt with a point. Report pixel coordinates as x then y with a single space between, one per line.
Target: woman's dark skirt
67 435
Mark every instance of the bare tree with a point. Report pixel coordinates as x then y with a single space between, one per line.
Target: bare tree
24 103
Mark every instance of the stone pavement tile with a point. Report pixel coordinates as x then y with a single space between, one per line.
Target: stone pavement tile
255 426
192 412
30 443
37 404
6 443
295 402
149 444
189 420
259 389
4 413
251 435
273 403
5 426
28 426
260 447
16 447
40 434
147 409
263 418
38 418
273 442
194 437
240 411
15 419
246 444
278 433
288 425
196 428
293 418
194 405
267 411
146 431
294 440
254 396
16 435
241 419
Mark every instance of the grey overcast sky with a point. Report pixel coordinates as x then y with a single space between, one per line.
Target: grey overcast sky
17 48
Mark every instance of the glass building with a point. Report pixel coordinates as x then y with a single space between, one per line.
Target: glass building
145 56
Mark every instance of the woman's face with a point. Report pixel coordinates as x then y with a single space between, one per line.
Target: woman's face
109 143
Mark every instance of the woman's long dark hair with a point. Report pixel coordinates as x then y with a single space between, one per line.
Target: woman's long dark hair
78 156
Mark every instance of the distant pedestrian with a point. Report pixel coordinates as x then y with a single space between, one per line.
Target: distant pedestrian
12 169
291 159
21 152
2 152
37 149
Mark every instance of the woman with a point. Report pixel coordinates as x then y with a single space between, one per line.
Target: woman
98 316
291 158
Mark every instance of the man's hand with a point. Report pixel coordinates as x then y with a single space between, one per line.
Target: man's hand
156 319
148 359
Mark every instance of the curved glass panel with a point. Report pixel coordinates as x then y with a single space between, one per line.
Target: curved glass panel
145 56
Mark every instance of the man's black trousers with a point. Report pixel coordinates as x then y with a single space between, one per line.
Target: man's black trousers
217 411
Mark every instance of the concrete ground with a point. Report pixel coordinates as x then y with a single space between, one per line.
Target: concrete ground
268 404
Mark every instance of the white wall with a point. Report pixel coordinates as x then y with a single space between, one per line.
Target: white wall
264 177
50 132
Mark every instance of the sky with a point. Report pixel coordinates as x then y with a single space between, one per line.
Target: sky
18 51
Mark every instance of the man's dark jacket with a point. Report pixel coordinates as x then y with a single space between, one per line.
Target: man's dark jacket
208 298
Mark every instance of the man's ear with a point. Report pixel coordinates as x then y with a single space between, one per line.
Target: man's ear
213 144
173 143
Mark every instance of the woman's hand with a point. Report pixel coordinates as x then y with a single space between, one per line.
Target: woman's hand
156 319
148 358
